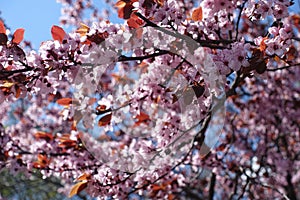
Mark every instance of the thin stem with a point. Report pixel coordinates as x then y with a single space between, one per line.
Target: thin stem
284 67
238 20
123 58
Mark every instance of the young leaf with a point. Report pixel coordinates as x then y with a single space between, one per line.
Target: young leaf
105 120
120 4
197 14
78 187
98 37
83 177
2 28
142 118
263 46
42 162
296 21
83 30
18 91
66 101
148 4
160 2
18 36
125 8
66 142
58 33
43 135
134 21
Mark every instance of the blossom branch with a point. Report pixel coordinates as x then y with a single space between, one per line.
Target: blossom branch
123 58
189 40
238 20
284 67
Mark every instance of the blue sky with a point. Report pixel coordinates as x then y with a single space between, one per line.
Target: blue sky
35 16
38 16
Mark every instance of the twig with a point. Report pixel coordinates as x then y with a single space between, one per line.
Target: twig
123 58
275 189
284 67
238 20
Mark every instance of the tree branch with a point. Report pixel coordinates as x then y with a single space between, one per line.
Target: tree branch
295 38
189 40
284 67
123 58
238 20
212 186
290 189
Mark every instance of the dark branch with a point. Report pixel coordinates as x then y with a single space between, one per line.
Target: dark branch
123 58
212 186
290 189
238 20
187 39
285 67
295 38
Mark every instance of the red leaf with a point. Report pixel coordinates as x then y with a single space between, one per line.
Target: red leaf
134 21
197 14
66 101
2 28
142 118
296 21
148 4
43 135
263 46
18 36
125 8
78 187
98 37
42 162
125 12
18 91
58 33
160 2
66 142
105 120
83 177
120 4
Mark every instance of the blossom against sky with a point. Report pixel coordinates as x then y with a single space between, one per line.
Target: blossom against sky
35 16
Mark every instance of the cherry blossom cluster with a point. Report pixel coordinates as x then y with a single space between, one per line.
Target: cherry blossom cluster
137 109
